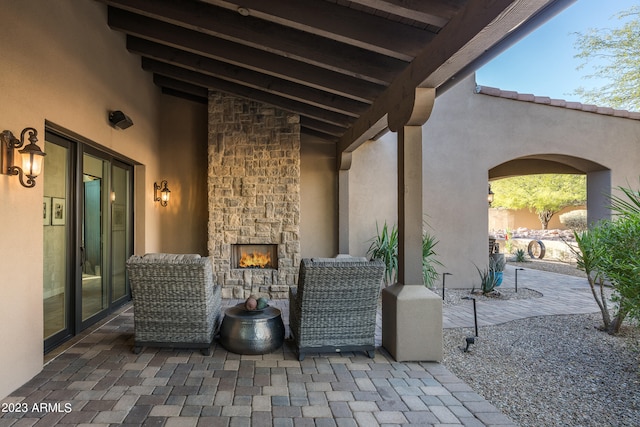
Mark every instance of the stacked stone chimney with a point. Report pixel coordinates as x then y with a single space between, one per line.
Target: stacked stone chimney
254 192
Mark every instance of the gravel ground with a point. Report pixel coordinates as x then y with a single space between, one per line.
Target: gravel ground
551 370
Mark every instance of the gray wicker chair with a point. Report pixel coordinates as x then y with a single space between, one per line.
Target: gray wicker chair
176 302
334 306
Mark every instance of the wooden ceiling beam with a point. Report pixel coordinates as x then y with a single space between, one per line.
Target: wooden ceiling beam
323 127
184 95
245 77
329 139
436 13
453 48
214 83
180 86
270 37
339 23
243 56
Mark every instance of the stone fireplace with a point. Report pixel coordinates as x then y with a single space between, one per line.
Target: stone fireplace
253 195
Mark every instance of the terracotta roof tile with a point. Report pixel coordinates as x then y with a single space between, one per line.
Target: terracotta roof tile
545 100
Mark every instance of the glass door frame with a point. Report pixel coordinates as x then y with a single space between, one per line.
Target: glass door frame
70 327
77 148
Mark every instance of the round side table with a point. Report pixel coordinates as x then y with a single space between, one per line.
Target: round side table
251 332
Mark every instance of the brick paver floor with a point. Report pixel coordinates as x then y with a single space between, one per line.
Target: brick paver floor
95 380
98 381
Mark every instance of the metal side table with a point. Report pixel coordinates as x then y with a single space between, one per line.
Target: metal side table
252 332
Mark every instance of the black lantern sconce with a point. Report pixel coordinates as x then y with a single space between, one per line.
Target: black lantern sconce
32 156
490 196
164 195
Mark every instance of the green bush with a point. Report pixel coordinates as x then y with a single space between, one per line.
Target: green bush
610 251
575 220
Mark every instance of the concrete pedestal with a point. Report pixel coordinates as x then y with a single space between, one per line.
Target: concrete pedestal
412 323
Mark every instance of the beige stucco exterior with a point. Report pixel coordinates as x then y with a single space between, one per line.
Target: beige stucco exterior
64 66
465 140
501 219
53 71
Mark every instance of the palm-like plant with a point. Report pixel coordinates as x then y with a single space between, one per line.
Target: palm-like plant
626 206
384 246
429 261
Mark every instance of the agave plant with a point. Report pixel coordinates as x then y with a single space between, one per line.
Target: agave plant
488 280
521 255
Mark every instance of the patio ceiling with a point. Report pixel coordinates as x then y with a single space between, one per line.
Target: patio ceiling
341 65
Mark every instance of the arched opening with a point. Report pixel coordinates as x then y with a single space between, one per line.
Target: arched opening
598 177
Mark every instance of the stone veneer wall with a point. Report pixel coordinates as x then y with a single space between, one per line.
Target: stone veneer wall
254 192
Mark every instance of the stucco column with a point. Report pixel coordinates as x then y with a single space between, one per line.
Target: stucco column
598 193
410 205
343 202
411 313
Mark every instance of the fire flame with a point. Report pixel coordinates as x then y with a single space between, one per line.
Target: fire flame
255 260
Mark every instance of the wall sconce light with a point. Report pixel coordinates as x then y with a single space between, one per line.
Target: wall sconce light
32 156
490 196
164 195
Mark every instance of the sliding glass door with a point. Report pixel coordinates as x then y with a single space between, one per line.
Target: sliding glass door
58 236
88 237
121 228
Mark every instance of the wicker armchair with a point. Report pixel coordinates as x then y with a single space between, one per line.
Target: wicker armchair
176 302
334 306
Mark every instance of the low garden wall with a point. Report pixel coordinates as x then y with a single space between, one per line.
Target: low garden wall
554 241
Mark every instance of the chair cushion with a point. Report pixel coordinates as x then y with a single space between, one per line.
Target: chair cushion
171 257
340 258
167 258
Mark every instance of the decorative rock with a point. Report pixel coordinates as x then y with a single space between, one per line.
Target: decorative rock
251 304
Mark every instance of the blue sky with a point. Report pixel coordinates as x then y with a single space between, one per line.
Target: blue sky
543 62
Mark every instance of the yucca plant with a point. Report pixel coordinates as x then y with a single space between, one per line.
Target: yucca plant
429 261
626 206
384 246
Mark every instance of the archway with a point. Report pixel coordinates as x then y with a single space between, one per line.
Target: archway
598 177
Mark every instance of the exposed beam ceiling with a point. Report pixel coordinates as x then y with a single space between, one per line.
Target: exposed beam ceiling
343 66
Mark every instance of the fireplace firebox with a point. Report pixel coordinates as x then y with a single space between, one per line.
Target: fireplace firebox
255 256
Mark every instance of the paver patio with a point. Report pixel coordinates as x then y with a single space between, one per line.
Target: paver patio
97 381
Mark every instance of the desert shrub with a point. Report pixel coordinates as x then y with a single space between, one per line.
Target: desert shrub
575 220
610 251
